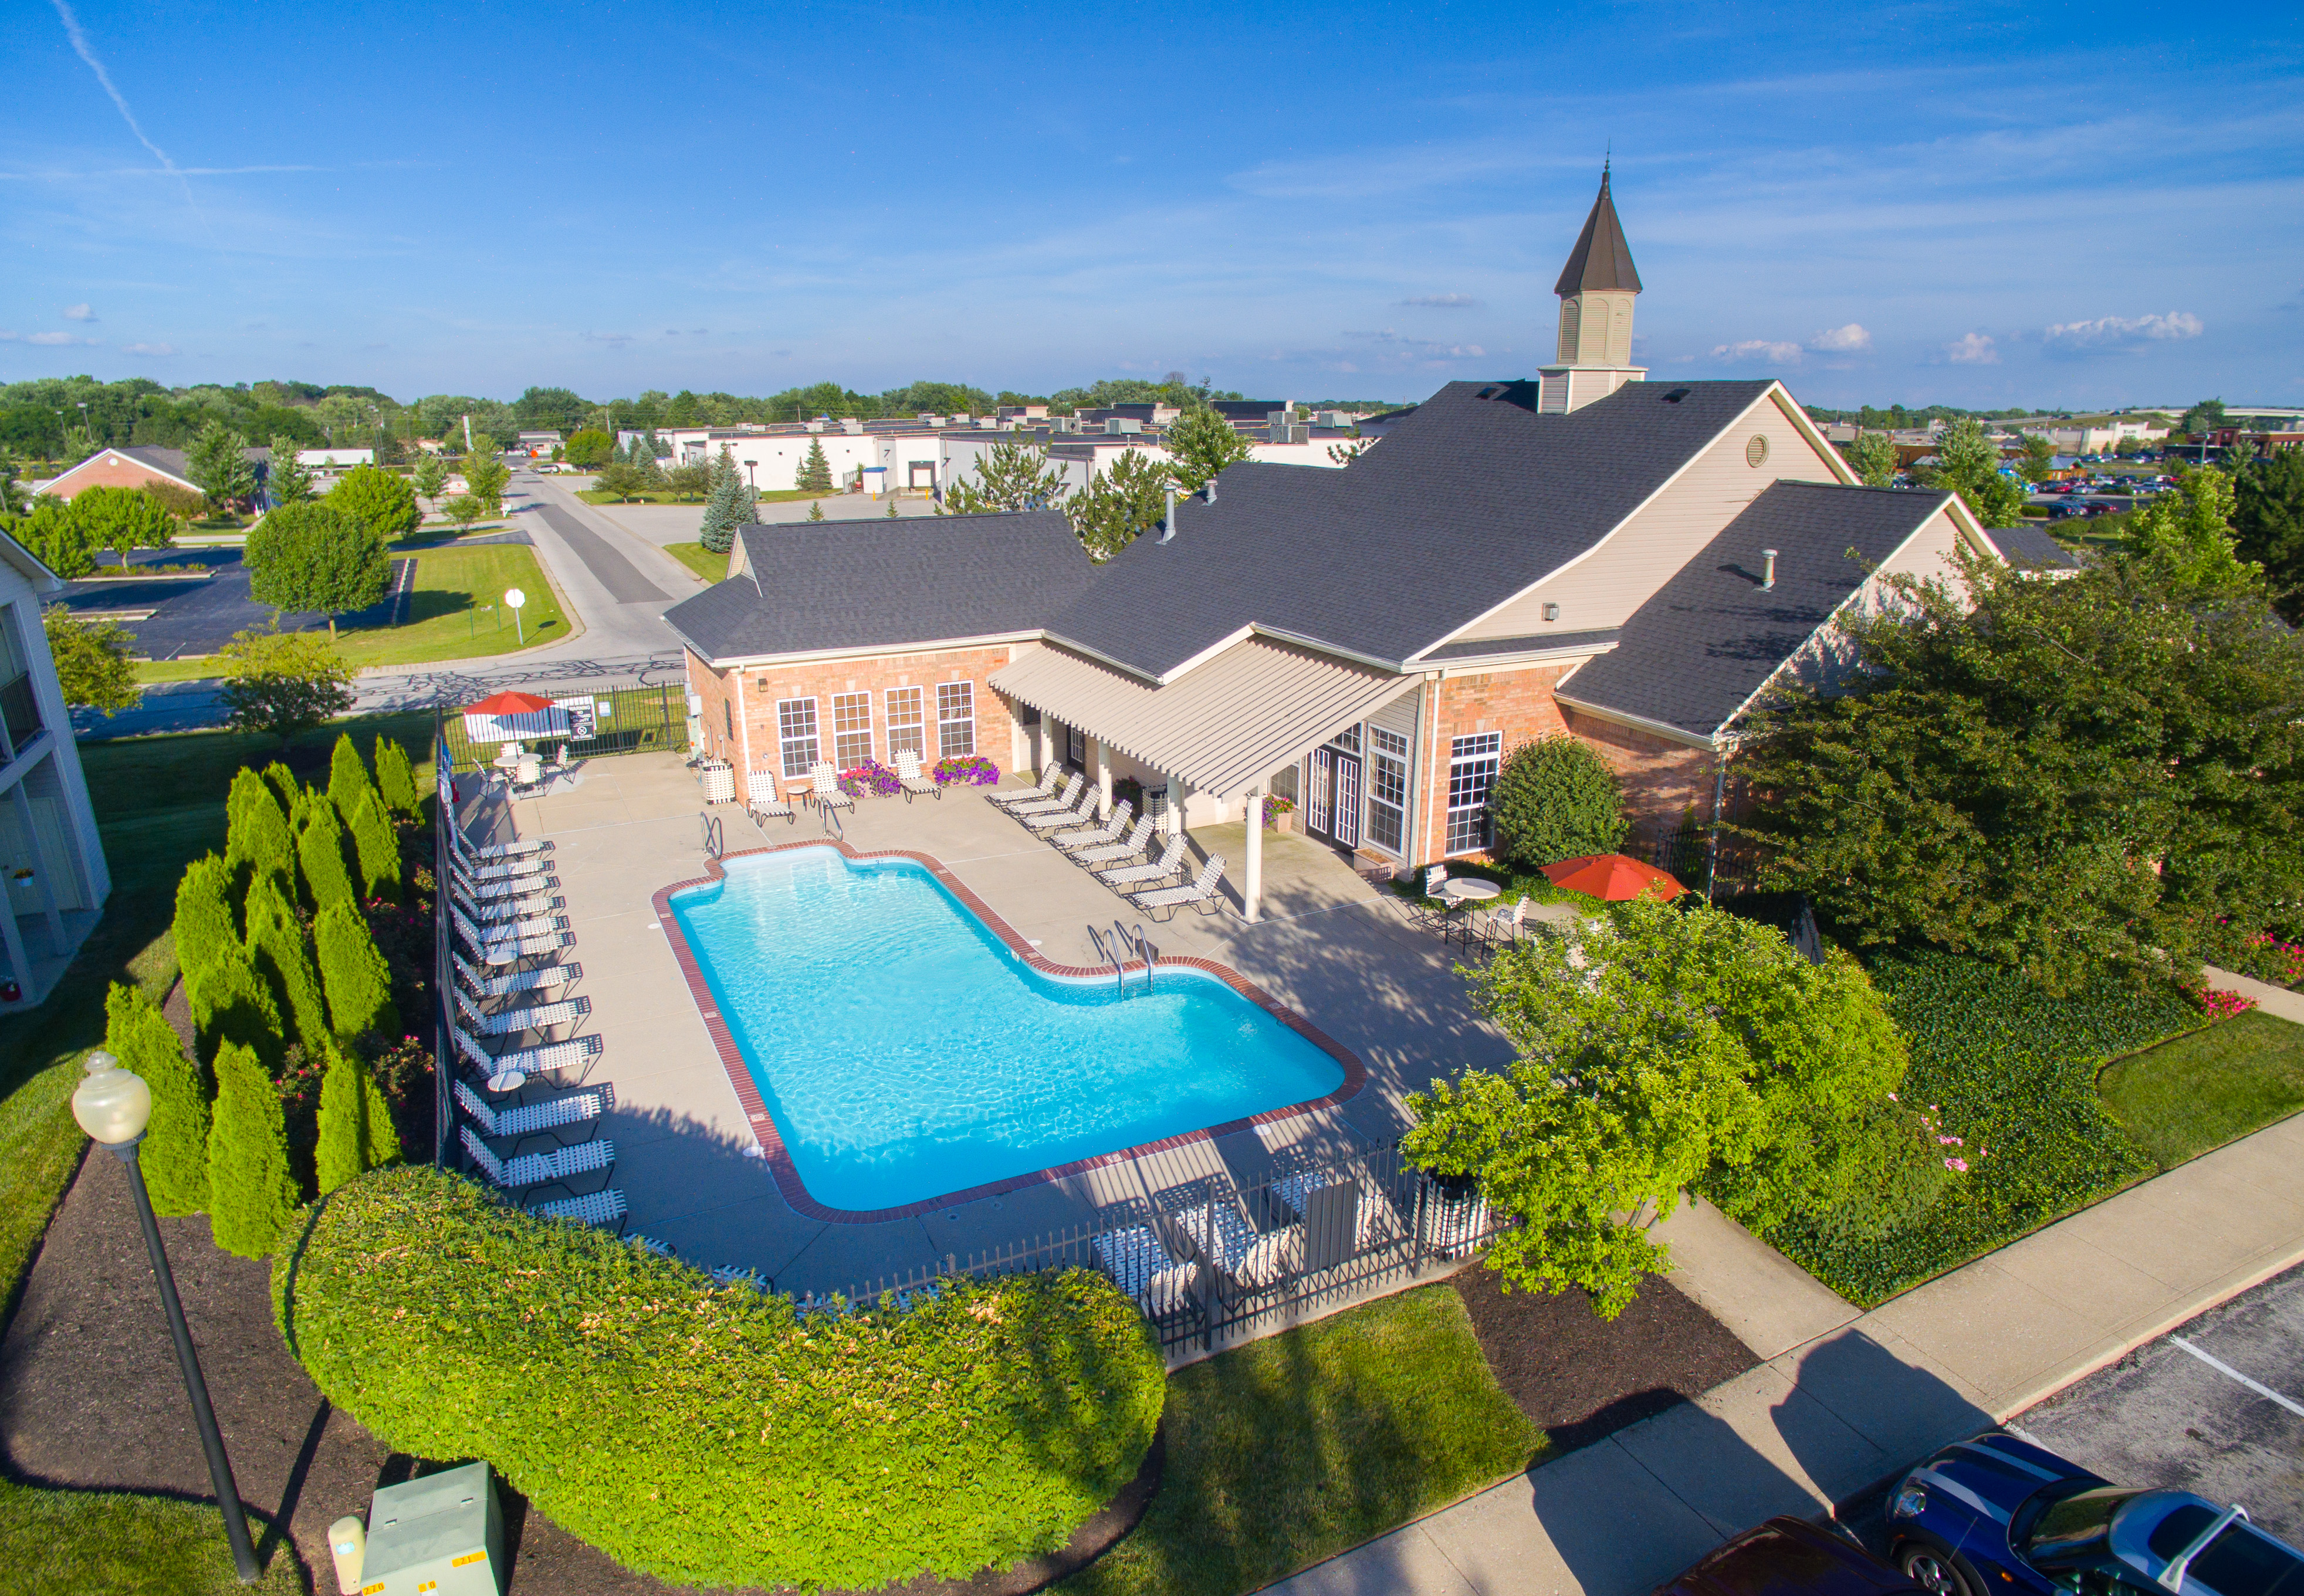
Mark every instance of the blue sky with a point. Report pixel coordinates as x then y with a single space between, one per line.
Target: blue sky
2076 205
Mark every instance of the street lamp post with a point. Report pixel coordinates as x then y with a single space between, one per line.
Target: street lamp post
114 1106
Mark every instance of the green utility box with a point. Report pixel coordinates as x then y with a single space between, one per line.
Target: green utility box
442 1535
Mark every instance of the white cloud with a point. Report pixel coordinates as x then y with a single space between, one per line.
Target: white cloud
616 339
55 338
1972 349
2120 331
79 313
164 348
1847 340
1757 351
1444 301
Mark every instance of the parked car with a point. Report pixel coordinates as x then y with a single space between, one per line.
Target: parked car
1790 1557
1997 1516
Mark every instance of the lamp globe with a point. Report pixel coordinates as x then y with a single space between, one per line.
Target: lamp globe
112 1105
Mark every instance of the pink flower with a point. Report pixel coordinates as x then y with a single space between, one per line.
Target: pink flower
1959 1164
1892 1097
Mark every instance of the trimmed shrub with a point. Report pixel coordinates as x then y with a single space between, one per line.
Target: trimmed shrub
251 1192
1555 799
354 974
285 786
276 946
376 846
256 836
395 779
175 1150
710 1434
320 851
232 1004
204 922
348 778
356 1134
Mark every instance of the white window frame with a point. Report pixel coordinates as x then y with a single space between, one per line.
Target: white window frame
907 723
1466 756
949 726
846 736
789 738
1387 760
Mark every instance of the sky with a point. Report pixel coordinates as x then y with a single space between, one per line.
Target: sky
2063 206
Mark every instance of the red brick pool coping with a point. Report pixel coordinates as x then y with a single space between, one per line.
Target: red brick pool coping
771 1139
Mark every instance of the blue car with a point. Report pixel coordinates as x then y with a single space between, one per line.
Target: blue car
1995 1515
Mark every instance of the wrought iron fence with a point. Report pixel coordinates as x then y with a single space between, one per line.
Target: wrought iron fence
609 722
1687 851
1212 1262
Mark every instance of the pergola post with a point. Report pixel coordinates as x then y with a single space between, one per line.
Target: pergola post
1251 892
1101 758
1179 789
1047 741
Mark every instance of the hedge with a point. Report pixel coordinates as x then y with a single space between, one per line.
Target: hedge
395 778
175 1152
204 922
2010 1072
251 1188
353 973
709 1434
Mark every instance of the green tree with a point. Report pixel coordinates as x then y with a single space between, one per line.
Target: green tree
2202 419
1555 799
815 509
377 847
287 480
485 479
728 506
57 539
2267 523
120 519
1200 444
1013 477
232 1004
175 1151
218 463
2039 458
430 479
204 924
182 502
257 838
623 480
92 660
356 1134
384 501
815 474
320 855
283 683
1967 463
395 778
252 1192
275 947
1657 1049
2187 535
1873 458
1119 505
315 557
589 449
348 777
354 974
464 511
690 479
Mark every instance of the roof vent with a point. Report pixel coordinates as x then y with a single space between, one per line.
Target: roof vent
1768 573
1675 396
1168 522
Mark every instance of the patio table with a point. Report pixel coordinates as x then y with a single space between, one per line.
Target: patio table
1460 893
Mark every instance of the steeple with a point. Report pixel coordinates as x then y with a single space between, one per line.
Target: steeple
1595 288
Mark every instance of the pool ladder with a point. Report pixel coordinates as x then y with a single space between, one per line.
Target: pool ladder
1123 941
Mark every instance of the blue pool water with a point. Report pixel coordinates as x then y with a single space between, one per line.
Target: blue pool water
906 1053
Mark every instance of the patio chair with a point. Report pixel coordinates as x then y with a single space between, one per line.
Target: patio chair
507 950
484 986
1048 820
909 778
1029 795
1118 853
1040 806
603 1207
484 890
1130 876
512 1022
528 777
1130 1257
1420 910
1097 836
547 1118
1216 1234
519 847
824 789
530 1170
524 1060
1201 894
764 803
477 934
528 907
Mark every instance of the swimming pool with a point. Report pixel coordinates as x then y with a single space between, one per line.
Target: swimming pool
906 1053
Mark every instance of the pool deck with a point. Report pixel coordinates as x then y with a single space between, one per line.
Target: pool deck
1338 951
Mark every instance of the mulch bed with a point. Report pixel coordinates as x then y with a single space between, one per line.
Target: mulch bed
1578 1377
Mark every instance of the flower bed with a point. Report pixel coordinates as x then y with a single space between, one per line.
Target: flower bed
965 770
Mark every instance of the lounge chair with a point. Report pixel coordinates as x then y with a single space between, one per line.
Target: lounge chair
512 1022
1130 1257
555 1167
506 949
1097 836
1128 876
764 803
824 789
605 1206
527 908
582 1107
1040 806
1118 853
488 890
485 985
524 1060
1029 795
1048 820
518 849
909 778
480 933
1201 894
1191 1235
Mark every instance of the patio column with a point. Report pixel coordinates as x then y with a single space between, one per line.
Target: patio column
1179 789
1102 759
1252 891
1048 742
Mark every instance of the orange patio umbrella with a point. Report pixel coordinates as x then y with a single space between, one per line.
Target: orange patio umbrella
1612 877
508 703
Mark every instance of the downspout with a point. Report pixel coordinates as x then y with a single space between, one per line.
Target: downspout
1712 841
745 731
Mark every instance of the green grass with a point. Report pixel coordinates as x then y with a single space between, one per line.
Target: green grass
1292 1449
2191 1095
54 1542
703 561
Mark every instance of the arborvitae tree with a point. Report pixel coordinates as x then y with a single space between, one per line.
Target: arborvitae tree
383 1144
204 920
232 1004
354 972
348 778
258 839
378 847
251 1189
395 778
343 1109
815 470
320 851
276 946
175 1150
286 785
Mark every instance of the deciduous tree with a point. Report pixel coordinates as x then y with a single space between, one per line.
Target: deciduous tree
1967 463
120 519
384 501
2039 458
316 557
589 449
465 511
1554 798
283 683
2267 523
431 478
2202 419
2187 535
91 658
57 538
217 462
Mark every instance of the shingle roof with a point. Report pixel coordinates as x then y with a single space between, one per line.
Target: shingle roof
868 583
1692 655
1464 503
2032 546
1601 258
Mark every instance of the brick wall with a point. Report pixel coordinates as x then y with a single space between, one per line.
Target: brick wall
105 470
1662 779
764 687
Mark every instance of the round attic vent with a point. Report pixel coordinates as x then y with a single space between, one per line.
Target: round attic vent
1756 452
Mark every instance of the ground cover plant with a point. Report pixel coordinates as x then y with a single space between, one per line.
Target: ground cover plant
2191 1095
707 1433
1292 1449
67 1543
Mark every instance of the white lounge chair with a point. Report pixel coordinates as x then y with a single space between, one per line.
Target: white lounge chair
506 950
488 889
824 789
535 1119
1049 820
512 1022
909 777
477 935
524 1060
1200 894
1117 853
1029 795
479 853
485 985
1042 806
555 1168
764 803
602 1207
1171 859
1097 836
527 908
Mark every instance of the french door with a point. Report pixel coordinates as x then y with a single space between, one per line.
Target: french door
1332 798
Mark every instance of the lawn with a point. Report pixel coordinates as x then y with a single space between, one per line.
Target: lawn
1292 1450
54 1543
2191 1095
703 561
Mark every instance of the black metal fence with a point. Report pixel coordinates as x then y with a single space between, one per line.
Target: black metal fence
1212 1263
1687 851
609 722
444 1068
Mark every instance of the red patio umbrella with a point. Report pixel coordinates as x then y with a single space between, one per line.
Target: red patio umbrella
1612 877
508 703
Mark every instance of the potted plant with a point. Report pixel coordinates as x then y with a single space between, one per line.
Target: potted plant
1280 812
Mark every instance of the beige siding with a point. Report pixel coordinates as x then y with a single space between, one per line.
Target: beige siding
1641 555
1399 715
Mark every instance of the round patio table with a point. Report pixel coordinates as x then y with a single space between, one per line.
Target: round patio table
1460 893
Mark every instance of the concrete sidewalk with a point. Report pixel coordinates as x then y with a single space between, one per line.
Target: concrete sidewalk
1845 1398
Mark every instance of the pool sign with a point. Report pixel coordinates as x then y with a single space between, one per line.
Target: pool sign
516 599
